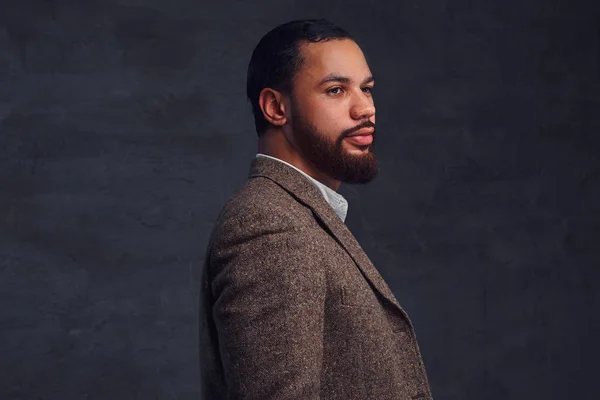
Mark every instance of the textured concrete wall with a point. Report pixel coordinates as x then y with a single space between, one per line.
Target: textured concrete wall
124 128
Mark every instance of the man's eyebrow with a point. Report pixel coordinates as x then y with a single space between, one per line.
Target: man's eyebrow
343 79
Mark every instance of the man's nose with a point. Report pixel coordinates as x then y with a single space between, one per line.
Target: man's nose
363 107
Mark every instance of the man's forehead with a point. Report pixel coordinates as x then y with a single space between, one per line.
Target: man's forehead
334 57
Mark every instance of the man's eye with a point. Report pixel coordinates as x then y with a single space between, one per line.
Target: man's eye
334 90
368 89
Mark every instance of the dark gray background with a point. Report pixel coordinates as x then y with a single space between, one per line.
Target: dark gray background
124 128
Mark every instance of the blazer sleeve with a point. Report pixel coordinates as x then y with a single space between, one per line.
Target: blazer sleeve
268 287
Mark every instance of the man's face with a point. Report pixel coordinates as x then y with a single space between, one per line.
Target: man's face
332 103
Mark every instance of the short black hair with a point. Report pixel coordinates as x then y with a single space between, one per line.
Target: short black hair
276 59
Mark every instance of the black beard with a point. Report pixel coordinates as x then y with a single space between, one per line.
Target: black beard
330 157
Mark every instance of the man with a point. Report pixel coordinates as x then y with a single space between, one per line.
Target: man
291 306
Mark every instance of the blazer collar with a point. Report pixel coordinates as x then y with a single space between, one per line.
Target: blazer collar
306 193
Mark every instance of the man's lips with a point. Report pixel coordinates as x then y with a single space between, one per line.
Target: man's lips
361 137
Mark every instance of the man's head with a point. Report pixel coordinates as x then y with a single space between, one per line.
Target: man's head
310 89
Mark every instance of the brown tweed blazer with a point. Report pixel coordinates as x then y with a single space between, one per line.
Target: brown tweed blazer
292 307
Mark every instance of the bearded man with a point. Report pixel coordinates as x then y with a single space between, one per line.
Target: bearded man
291 306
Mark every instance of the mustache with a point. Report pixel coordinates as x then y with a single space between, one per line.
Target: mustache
366 124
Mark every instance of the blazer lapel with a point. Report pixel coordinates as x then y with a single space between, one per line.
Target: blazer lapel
305 192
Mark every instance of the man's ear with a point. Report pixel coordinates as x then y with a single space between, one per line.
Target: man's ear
272 104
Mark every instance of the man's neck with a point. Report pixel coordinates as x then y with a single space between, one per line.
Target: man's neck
274 144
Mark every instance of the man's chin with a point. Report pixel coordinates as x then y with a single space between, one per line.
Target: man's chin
359 153
354 150
360 167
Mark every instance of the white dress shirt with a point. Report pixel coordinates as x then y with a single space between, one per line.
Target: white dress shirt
335 200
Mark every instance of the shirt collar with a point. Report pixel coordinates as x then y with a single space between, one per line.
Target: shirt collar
335 200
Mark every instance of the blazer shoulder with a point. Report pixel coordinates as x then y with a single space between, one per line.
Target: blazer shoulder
260 206
262 195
